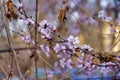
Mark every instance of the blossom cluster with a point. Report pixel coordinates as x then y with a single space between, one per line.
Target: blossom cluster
67 48
102 15
46 29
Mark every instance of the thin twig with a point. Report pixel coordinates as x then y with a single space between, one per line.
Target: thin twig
25 15
16 49
3 70
11 55
46 62
45 70
11 47
36 56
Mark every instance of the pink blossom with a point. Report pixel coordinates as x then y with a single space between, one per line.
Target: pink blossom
62 63
46 29
29 21
57 48
44 23
20 5
26 38
102 14
86 48
72 42
45 49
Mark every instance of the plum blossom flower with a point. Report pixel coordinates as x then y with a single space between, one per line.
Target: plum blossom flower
45 49
105 70
57 48
46 33
93 66
85 48
29 21
107 19
103 16
20 5
44 23
66 63
72 42
46 29
62 63
80 62
26 38
110 63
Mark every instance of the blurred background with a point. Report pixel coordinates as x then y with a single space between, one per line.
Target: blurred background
82 20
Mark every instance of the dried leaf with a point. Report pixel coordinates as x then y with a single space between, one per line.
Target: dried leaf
10 13
27 73
32 54
62 16
10 6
